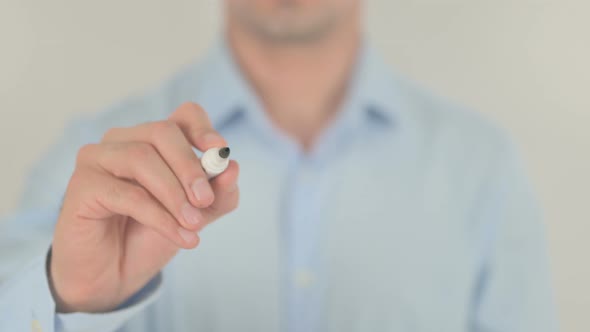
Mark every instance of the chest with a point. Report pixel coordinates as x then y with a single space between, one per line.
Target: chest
395 241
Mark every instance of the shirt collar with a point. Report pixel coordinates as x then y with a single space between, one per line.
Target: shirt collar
226 95
372 91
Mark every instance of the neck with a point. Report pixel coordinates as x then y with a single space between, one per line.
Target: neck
301 86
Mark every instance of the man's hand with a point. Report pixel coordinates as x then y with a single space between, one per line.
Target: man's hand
133 200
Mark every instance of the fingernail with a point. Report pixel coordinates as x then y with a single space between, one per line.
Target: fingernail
202 190
191 214
187 236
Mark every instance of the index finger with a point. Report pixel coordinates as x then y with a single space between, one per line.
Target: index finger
196 126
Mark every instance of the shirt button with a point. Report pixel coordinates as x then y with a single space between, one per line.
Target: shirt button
304 279
36 326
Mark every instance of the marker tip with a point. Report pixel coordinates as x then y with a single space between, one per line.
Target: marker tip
224 152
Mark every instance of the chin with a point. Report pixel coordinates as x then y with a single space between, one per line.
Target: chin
290 20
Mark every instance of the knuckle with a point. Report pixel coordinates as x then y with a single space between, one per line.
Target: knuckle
113 193
189 110
133 195
86 153
141 152
111 134
162 128
79 179
190 107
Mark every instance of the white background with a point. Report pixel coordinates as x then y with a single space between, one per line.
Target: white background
522 62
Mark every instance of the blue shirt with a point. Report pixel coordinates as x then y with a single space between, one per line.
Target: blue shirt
409 214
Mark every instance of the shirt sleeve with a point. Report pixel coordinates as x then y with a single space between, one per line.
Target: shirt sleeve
514 289
26 304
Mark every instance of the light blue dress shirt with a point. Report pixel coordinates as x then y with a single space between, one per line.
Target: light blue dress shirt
409 214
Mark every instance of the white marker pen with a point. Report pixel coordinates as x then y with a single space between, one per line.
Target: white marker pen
214 161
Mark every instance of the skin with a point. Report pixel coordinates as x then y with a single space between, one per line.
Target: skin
289 49
139 195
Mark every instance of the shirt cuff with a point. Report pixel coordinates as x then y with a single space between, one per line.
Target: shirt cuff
25 300
111 321
26 304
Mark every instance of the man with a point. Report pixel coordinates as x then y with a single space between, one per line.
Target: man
366 204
